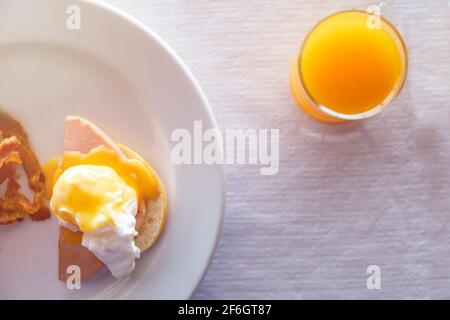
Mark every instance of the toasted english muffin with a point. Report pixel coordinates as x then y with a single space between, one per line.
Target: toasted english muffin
156 209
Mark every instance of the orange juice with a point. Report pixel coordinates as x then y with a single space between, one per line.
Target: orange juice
349 68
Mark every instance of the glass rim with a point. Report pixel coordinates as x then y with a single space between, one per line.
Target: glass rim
398 39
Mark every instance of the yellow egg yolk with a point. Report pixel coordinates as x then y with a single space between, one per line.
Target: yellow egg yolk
89 197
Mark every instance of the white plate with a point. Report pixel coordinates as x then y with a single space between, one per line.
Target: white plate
119 74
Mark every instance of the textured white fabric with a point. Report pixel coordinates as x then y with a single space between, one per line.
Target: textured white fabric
346 196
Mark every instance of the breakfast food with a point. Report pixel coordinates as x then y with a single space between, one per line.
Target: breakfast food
109 202
15 151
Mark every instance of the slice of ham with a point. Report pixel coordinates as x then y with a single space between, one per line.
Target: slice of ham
72 253
82 136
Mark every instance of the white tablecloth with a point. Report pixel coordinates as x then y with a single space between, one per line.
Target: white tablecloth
346 196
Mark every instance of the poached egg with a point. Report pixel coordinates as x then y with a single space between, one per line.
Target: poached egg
95 200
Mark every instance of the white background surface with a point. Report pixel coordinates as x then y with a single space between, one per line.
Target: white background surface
346 196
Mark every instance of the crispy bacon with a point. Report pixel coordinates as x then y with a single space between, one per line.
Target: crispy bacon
15 150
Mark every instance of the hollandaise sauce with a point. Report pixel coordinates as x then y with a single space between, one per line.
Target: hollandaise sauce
85 190
91 196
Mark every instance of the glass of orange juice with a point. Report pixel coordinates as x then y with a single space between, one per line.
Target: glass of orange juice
349 67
